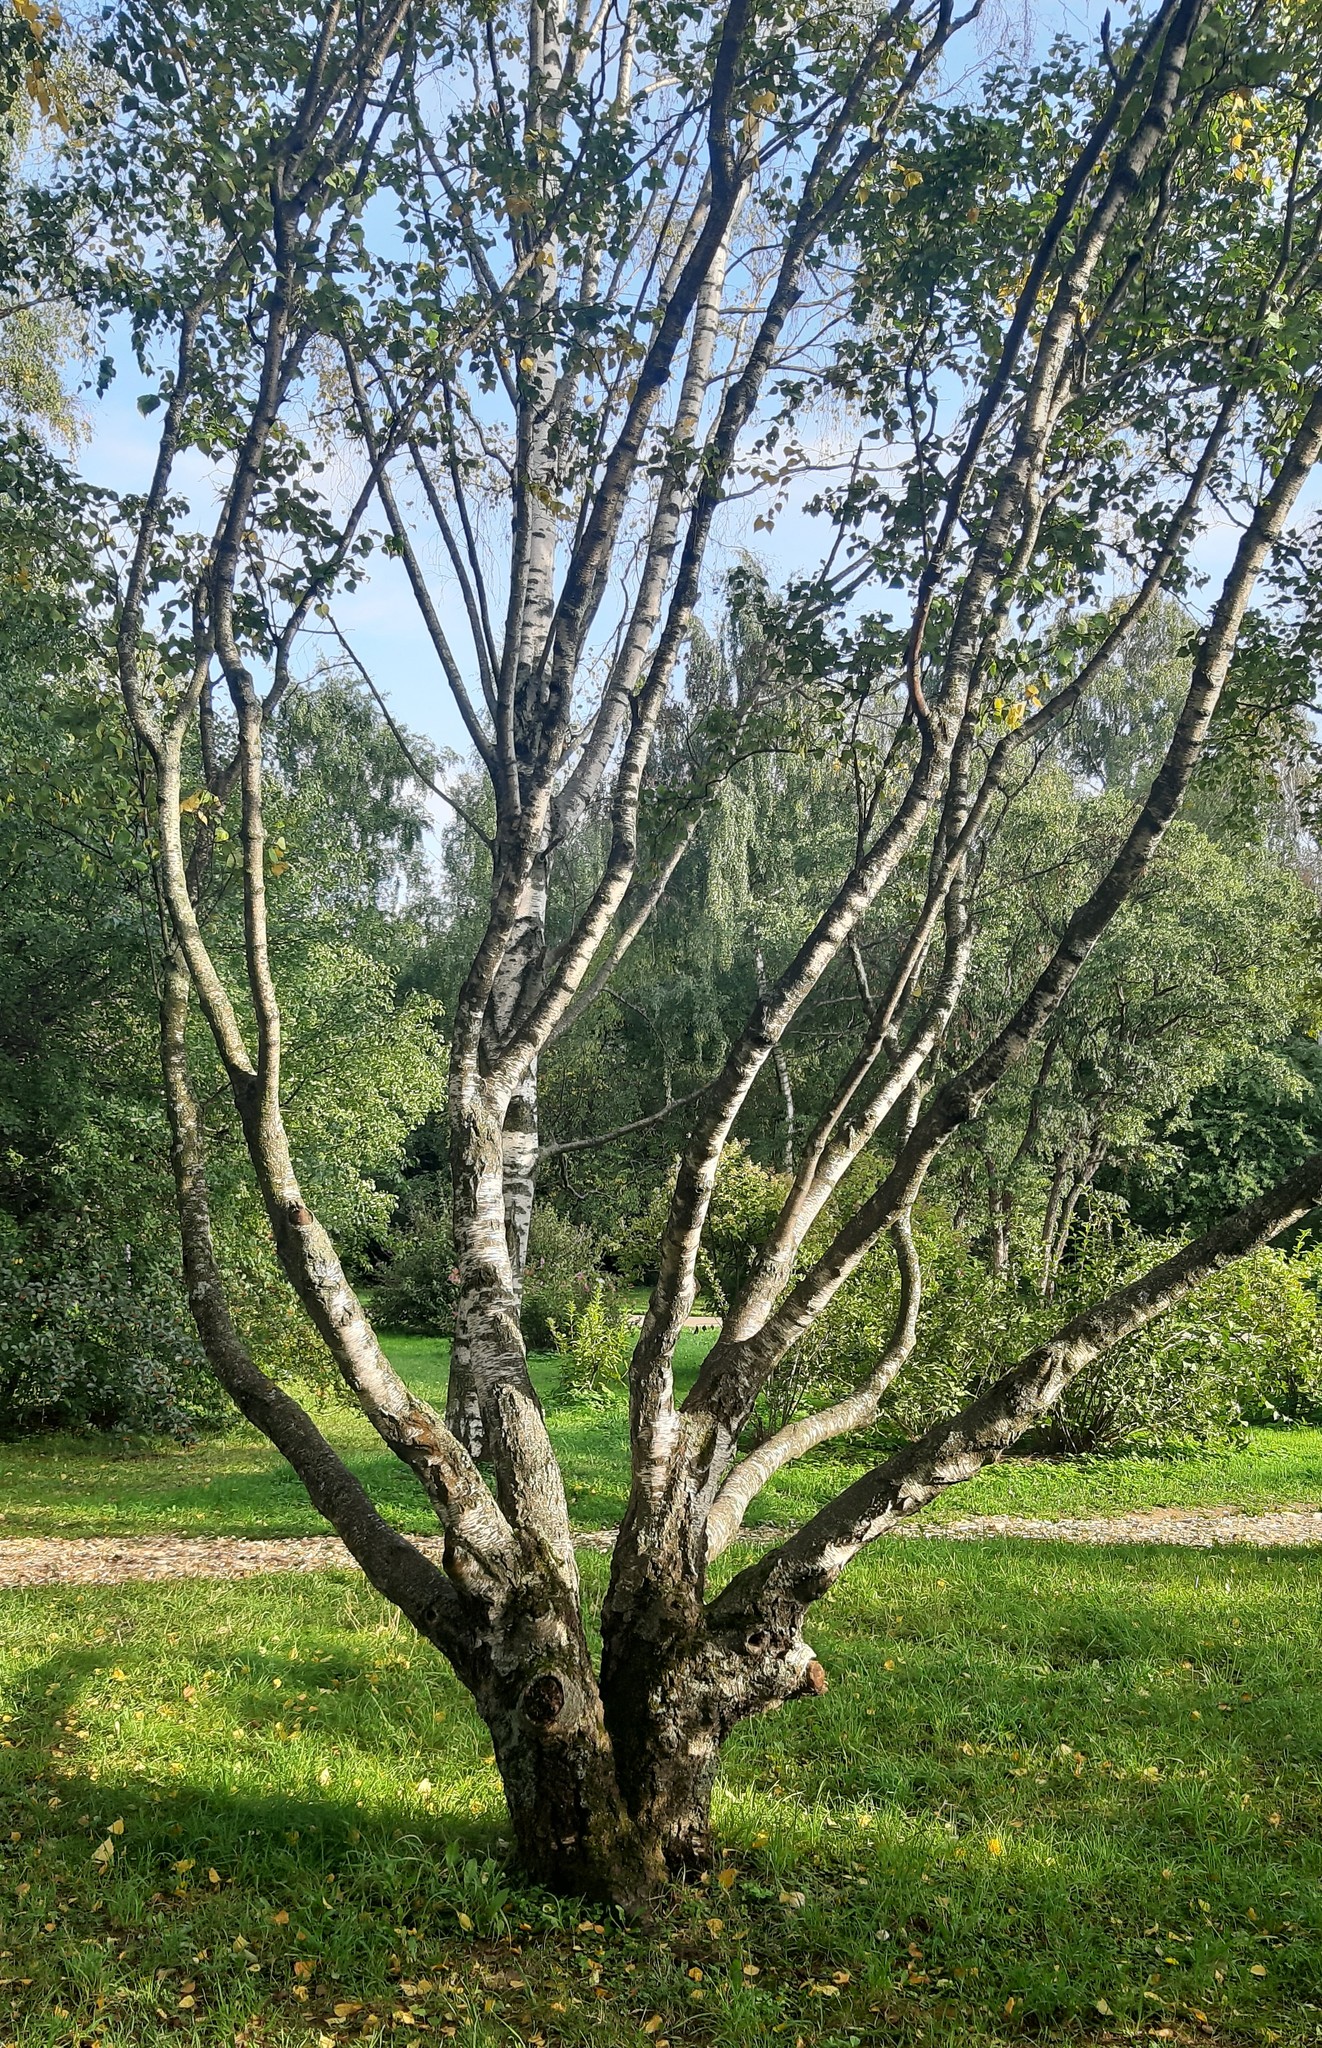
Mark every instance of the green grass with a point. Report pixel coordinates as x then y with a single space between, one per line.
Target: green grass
236 1485
1044 1782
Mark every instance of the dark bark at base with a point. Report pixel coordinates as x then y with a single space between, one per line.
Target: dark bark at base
666 1731
571 1830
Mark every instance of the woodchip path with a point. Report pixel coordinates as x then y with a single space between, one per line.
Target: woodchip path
111 1560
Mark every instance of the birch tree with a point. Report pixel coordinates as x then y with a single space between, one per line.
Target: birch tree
572 283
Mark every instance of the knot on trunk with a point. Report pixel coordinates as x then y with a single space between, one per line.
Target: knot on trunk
299 1216
543 1699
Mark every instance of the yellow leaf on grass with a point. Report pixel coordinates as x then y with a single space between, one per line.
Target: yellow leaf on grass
654 2025
347 2008
185 1863
465 1923
281 1918
214 1876
116 1827
727 1877
104 1854
994 1845
323 1776
1103 2008
1258 1970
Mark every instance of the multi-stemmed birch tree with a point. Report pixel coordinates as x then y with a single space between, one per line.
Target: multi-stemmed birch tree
534 299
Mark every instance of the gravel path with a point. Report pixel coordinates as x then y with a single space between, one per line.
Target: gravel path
109 1560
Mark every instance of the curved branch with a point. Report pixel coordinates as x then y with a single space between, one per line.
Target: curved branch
553 1148
396 1567
783 1584
428 781
854 1411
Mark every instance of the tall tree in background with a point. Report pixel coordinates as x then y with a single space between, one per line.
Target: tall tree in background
595 272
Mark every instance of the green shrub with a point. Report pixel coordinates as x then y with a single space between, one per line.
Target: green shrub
560 1275
415 1284
1246 1347
594 1346
97 1336
745 1203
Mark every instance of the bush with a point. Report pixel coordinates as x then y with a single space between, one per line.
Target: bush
560 1276
745 1203
1245 1347
967 1318
595 1346
415 1285
98 1336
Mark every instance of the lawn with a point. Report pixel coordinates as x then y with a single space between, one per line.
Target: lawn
1051 1794
236 1485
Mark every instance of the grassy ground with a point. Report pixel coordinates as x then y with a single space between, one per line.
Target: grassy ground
236 1485
1051 1794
